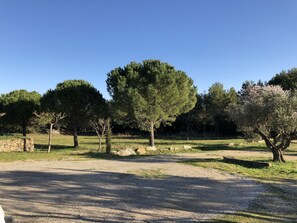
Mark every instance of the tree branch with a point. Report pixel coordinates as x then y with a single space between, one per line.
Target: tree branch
268 143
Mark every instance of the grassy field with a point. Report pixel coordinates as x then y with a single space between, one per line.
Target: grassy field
278 205
88 147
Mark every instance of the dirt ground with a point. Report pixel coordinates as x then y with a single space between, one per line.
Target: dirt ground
120 191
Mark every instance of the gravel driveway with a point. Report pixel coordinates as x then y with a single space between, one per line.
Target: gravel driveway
116 191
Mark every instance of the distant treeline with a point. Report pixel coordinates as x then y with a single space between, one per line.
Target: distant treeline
149 96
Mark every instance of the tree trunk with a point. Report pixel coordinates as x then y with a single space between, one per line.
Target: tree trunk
100 143
108 137
152 134
25 137
50 133
278 155
277 151
75 140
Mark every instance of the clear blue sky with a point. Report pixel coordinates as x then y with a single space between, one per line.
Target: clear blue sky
44 42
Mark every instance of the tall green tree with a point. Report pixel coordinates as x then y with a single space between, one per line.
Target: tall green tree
216 102
270 112
19 106
286 79
150 93
79 100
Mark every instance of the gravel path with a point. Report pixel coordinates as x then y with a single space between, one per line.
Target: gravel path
115 191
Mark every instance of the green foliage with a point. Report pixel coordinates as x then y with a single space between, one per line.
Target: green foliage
216 102
150 92
268 108
270 112
78 99
286 79
19 106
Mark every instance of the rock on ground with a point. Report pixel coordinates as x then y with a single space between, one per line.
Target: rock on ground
126 152
140 151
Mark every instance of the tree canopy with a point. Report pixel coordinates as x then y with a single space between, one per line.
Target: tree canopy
78 99
270 112
19 106
286 79
150 93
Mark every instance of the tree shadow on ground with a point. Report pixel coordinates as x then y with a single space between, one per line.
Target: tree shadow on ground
216 147
43 147
75 195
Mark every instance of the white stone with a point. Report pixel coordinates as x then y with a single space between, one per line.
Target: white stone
151 148
2 215
140 151
187 147
127 152
171 148
114 152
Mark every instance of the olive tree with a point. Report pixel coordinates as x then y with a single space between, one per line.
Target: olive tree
150 93
19 106
270 112
78 99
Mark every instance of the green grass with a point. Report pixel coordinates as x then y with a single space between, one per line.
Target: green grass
10 136
150 173
276 172
88 147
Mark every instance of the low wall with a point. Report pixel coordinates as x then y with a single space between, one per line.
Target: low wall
16 145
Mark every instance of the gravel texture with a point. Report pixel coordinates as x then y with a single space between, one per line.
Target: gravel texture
114 191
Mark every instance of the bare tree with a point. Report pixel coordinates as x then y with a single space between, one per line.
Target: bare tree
51 119
99 125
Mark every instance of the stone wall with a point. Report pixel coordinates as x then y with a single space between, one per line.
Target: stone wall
16 145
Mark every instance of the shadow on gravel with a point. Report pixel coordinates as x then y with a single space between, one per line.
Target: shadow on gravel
95 196
136 159
216 147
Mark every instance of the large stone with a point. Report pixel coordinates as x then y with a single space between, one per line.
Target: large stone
140 151
2 215
187 147
114 152
127 152
151 148
172 148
